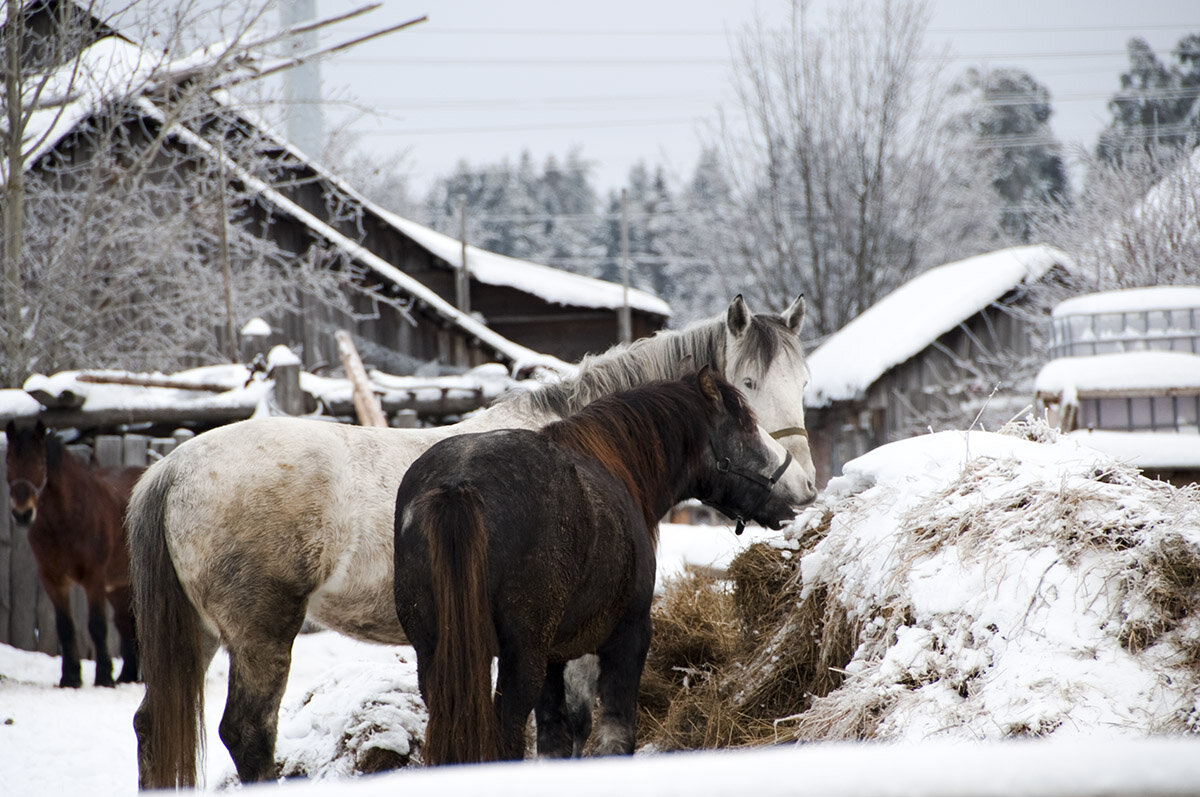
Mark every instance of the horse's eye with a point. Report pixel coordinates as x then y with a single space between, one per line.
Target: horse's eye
749 383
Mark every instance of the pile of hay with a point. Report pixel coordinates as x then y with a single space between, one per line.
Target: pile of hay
974 586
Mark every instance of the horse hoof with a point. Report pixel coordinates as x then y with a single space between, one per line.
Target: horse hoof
70 683
105 682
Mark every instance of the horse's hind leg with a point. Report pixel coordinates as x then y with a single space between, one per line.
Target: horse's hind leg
123 620
520 680
622 658
554 737
258 672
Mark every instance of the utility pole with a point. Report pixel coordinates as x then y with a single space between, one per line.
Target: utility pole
626 321
302 83
223 251
462 277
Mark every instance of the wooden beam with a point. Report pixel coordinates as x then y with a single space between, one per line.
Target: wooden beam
366 403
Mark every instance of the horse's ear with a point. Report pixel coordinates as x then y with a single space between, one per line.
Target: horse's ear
737 319
10 431
39 430
709 387
794 315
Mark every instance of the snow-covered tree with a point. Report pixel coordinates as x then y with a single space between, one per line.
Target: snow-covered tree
1134 221
1157 106
134 234
1007 117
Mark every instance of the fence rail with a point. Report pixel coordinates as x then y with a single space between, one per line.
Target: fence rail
26 614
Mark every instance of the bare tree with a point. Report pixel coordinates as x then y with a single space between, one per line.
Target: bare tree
134 221
843 183
1133 222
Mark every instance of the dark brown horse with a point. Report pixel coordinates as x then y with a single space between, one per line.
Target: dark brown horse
74 514
539 547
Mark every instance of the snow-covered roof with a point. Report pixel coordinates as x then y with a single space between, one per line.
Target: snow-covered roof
551 284
917 313
114 67
518 355
1132 300
1143 449
1128 373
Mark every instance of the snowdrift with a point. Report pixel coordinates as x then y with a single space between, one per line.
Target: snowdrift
967 586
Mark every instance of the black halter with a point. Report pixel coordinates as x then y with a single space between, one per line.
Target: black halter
725 465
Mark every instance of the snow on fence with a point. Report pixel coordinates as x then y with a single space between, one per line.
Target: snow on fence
26 614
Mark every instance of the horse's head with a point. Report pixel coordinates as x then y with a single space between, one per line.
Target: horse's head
748 474
28 466
764 359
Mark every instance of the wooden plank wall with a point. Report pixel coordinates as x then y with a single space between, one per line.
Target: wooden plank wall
26 614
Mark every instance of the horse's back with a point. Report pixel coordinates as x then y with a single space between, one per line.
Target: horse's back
562 533
299 507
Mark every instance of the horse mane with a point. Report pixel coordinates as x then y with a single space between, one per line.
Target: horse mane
634 433
658 357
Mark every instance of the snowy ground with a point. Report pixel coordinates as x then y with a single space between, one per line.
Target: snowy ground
984 630
81 741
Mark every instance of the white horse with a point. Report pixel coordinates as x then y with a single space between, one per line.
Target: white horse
245 530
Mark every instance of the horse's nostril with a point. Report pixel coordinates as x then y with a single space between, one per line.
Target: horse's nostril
23 517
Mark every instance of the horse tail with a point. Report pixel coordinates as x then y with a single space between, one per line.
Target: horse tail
462 721
169 722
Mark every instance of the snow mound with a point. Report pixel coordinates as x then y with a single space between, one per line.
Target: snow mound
360 717
986 586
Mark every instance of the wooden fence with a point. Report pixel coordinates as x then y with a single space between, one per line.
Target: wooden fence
26 614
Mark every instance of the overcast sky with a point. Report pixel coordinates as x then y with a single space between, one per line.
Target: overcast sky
625 80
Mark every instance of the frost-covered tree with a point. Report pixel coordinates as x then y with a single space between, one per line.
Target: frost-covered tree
1157 106
134 234
1007 118
545 215
1133 223
696 280
843 182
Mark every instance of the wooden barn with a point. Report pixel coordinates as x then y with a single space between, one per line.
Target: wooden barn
403 306
951 347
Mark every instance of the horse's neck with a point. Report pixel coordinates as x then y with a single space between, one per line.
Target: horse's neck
660 356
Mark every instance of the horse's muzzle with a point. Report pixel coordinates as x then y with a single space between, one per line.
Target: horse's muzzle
24 517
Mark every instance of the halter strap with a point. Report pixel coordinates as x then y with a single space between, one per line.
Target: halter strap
37 489
790 431
725 465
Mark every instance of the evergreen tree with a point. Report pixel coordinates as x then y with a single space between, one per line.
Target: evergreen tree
1157 106
1008 117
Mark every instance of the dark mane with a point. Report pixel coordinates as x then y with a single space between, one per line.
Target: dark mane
631 433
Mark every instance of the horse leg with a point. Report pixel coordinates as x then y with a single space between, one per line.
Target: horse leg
98 630
258 673
580 678
554 737
60 597
517 687
123 620
622 658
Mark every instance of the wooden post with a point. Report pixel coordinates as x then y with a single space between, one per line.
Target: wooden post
6 533
366 403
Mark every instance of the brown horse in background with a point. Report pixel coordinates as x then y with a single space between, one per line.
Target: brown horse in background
74 514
